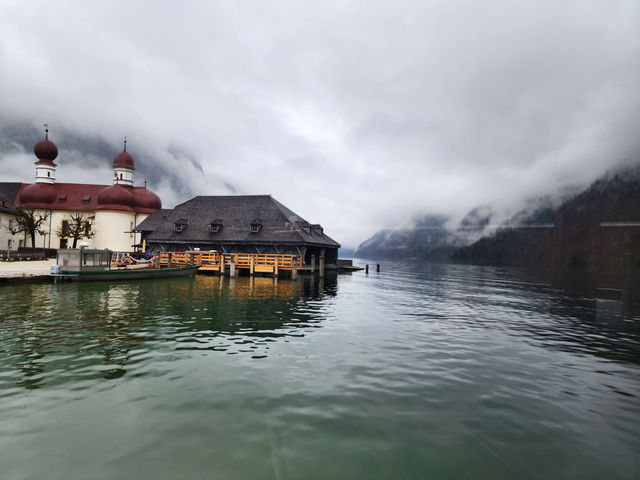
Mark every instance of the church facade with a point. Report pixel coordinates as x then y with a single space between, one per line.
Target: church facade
110 213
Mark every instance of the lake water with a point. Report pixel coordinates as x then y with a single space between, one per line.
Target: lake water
439 371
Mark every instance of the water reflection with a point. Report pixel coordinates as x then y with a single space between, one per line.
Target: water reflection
595 313
57 332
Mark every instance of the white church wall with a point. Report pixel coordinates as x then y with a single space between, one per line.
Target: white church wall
8 241
114 230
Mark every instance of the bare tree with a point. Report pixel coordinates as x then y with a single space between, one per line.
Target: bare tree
28 222
76 225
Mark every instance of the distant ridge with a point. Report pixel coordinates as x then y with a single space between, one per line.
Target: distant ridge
598 227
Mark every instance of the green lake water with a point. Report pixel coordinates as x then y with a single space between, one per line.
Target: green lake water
440 371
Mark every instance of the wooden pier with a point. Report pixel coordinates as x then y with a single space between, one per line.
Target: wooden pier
233 263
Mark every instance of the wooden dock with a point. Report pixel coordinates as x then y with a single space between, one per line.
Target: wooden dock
233 263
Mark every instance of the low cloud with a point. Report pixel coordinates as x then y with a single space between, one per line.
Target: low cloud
355 115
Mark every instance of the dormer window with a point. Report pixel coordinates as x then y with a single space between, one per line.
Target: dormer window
181 224
317 229
85 199
62 199
255 227
215 226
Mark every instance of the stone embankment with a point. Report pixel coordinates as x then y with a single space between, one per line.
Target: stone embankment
25 270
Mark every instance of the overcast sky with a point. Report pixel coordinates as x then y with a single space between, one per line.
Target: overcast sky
355 114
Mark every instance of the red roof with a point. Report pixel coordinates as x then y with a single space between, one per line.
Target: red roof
46 151
123 160
37 194
78 196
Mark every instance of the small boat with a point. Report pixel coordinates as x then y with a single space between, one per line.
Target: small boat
85 264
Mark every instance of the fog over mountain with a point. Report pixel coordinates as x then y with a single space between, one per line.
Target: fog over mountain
357 115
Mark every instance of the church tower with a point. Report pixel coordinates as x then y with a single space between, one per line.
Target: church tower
123 168
46 152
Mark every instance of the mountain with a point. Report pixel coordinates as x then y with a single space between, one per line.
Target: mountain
428 238
599 227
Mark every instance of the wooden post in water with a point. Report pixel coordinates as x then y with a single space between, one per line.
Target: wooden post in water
158 260
321 267
252 265
232 268
313 263
294 270
378 267
275 268
366 268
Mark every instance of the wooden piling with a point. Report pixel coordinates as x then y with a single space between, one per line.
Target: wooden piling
275 268
252 265
313 263
378 267
294 271
321 267
232 268
366 268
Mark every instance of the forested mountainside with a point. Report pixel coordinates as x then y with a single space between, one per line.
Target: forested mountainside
599 226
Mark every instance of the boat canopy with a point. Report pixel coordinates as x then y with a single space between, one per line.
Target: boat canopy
83 259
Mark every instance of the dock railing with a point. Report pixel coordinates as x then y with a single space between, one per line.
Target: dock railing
219 262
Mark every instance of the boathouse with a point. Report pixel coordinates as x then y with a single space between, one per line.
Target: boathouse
237 223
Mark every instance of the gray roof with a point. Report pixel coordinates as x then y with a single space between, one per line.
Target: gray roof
236 213
9 190
8 193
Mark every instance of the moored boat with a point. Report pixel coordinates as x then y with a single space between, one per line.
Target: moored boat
95 265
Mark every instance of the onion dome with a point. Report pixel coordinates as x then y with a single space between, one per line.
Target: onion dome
123 159
38 194
46 150
115 197
146 201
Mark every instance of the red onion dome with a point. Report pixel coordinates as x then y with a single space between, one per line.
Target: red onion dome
144 200
123 160
46 150
38 194
115 197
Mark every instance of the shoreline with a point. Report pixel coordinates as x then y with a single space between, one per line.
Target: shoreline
26 271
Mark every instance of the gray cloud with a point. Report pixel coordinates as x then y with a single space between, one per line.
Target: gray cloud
356 115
